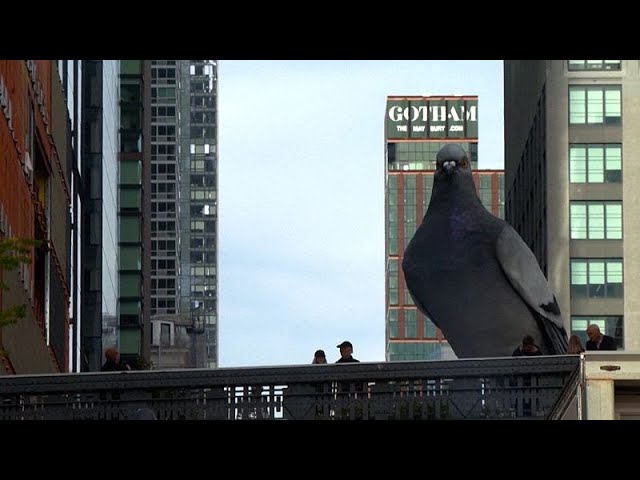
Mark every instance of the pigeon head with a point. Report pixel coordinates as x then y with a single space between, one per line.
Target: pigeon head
452 158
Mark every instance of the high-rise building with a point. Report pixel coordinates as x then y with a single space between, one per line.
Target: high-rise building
134 300
416 129
100 147
35 199
184 219
570 144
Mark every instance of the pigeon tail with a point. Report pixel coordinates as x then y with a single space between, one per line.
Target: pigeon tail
556 337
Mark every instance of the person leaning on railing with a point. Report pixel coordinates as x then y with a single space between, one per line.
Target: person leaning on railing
112 361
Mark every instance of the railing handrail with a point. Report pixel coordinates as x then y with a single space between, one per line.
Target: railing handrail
275 375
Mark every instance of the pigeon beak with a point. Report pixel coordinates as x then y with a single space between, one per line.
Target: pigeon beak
449 166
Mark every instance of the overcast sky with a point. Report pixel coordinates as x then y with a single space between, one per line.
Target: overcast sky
301 198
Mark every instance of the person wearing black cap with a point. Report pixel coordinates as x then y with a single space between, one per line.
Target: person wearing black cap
350 389
346 350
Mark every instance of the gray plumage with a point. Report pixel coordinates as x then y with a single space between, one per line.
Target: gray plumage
472 274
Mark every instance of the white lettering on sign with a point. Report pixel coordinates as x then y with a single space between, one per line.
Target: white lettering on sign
434 113
437 128
456 128
418 128
438 113
453 115
401 128
472 113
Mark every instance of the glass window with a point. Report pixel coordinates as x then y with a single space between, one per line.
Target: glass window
410 330
130 229
612 105
130 257
485 190
614 279
130 142
595 104
410 196
577 65
409 208
578 221
130 307
393 281
577 164
578 279
427 188
130 199
393 323
614 220
596 278
596 220
392 214
165 334
577 105
130 91
130 173
613 163
131 67
130 341
129 285
130 118
595 164
402 351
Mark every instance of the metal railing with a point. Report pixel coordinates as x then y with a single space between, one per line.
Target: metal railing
493 388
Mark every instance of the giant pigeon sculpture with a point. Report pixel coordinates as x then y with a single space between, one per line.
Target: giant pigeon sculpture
473 275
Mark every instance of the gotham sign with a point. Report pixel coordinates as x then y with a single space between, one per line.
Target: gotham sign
432 118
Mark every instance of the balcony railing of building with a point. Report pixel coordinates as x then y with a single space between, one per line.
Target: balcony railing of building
494 388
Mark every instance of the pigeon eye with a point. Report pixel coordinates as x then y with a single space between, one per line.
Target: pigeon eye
438 165
463 163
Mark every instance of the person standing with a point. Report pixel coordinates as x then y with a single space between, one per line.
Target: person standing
112 361
598 341
322 397
319 357
527 348
349 391
346 352
575 345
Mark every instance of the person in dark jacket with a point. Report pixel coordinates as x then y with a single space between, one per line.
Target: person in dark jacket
112 361
598 341
349 389
346 351
528 348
